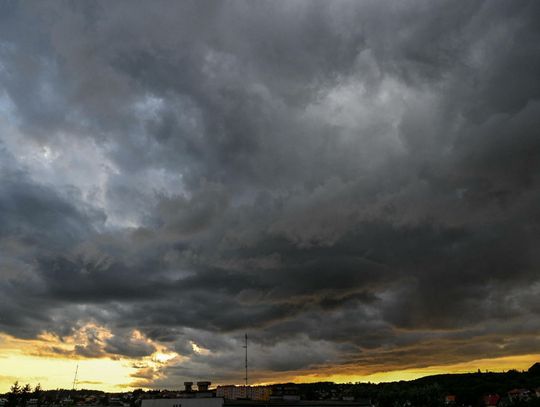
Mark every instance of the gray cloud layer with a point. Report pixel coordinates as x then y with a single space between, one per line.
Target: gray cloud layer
353 183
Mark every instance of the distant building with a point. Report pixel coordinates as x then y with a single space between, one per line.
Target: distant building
285 392
260 393
228 392
232 392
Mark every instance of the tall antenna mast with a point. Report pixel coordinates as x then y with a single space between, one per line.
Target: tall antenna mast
75 378
246 348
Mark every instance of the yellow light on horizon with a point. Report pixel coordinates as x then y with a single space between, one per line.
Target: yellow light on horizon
501 364
33 361
51 362
52 373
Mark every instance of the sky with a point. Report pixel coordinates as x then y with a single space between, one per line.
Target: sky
354 184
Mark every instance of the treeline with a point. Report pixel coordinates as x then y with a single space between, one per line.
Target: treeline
25 395
430 391
19 395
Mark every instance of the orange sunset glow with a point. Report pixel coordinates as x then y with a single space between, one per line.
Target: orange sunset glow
51 362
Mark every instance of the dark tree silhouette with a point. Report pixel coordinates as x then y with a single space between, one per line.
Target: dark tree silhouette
38 392
14 394
25 394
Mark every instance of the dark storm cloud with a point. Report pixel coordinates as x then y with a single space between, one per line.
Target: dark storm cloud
38 215
131 347
352 183
36 220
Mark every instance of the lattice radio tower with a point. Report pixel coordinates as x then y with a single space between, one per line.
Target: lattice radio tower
75 378
246 348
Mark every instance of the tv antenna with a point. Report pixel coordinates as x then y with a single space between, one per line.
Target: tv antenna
75 378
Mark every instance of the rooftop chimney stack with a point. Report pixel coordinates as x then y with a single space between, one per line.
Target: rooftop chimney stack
203 386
